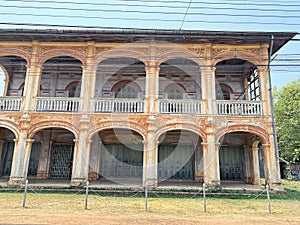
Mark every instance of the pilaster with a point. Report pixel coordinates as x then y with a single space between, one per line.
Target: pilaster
81 157
88 84
152 87
256 175
32 80
263 78
150 160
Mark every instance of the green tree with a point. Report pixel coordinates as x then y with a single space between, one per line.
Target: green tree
287 117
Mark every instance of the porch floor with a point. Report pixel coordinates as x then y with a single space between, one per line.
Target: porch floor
120 184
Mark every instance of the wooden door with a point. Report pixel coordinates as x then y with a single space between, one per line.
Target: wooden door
231 163
121 161
61 160
176 162
8 151
34 159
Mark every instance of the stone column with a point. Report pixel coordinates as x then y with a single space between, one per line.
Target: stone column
206 170
28 146
211 162
94 163
263 77
88 84
1 154
273 170
208 82
199 164
32 81
17 176
267 162
152 88
256 175
150 160
81 159
248 174
44 159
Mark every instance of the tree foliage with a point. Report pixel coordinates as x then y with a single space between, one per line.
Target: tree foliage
287 117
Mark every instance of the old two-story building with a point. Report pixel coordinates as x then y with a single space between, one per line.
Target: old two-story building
137 106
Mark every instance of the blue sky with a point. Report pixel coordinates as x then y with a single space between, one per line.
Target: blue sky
217 15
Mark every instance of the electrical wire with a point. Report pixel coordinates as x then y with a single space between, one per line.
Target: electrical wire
160 6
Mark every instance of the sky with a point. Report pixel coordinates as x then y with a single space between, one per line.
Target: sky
217 15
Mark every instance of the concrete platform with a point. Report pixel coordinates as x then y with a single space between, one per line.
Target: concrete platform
119 185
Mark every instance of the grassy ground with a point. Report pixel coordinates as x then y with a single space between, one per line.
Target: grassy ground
46 208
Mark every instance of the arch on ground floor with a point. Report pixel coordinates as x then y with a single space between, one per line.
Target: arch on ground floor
7 148
53 124
240 158
117 154
139 128
52 153
184 126
259 131
10 126
180 155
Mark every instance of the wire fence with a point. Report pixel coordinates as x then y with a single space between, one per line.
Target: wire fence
147 192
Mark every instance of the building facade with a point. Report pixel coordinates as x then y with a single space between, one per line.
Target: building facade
137 106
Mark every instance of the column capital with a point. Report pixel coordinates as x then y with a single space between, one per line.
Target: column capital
89 141
266 145
29 140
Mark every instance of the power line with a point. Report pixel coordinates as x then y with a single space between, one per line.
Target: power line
161 6
150 12
186 12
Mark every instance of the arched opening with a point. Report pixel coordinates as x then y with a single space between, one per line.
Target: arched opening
180 156
12 75
52 154
236 79
112 71
240 159
2 81
7 146
120 85
57 75
73 89
117 155
179 87
179 78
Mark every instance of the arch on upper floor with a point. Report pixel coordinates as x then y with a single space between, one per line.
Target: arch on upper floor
60 53
184 54
16 52
250 57
119 52
53 124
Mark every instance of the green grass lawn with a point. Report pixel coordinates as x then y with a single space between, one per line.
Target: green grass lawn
67 208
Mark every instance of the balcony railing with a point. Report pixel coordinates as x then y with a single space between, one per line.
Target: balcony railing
11 103
243 108
57 104
119 105
180 106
